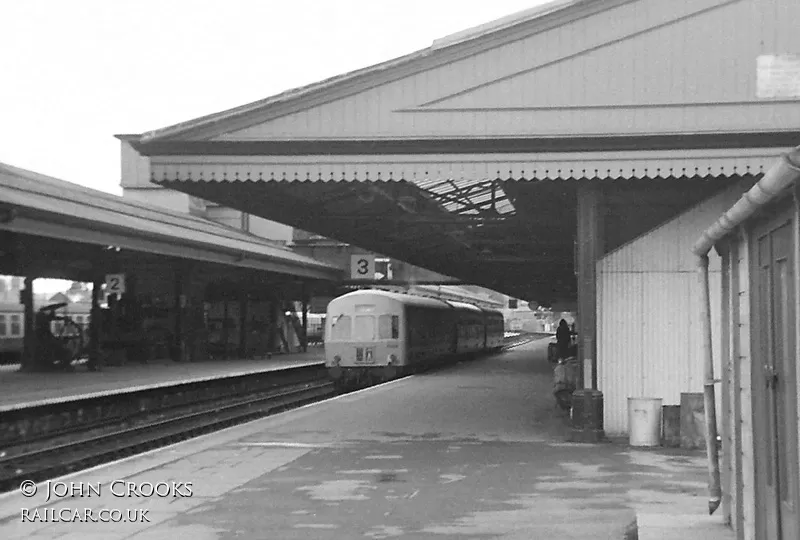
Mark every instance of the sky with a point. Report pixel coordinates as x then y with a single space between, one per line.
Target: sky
74 74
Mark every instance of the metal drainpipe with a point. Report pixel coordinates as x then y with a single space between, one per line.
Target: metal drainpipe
775 180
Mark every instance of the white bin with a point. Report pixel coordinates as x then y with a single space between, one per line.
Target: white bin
644 421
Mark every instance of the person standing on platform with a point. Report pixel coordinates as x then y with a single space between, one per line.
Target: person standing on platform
563 339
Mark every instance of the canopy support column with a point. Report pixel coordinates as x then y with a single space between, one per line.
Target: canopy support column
305 298
95 321
29 321
590 250
587 401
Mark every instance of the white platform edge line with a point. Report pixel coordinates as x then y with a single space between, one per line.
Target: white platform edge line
201 437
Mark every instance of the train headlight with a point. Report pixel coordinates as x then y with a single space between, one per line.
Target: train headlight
336 360
391 359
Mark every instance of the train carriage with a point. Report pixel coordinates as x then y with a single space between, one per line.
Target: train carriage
471 327
12 332
12 327
374 335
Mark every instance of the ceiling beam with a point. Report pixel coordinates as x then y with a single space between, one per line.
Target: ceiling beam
422 219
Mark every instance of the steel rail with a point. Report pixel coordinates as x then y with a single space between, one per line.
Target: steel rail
41 464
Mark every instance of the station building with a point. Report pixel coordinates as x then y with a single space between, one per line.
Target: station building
572 151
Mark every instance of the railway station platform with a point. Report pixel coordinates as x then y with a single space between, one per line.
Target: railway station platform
473 450
19 390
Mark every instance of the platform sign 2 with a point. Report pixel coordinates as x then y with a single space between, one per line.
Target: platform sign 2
115 284
362 267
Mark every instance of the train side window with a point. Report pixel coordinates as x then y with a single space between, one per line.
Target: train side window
16 326
3 325
364 328
340 328
388 327
384 327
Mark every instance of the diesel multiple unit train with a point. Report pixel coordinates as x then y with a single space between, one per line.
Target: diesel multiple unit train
374 335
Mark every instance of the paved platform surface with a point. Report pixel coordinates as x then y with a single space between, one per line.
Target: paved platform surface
18 390
472 451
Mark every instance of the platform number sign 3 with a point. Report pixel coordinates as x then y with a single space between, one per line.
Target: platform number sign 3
115 284
362 267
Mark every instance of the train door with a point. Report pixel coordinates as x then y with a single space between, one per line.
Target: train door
774 379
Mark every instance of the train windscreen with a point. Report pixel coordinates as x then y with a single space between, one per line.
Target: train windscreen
364 328
340 328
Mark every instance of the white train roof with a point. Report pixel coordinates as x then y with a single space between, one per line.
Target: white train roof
464 306
415 300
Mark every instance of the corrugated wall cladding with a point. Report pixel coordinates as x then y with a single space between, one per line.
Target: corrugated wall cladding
649 342
624 70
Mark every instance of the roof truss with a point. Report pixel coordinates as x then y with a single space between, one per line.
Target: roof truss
469 197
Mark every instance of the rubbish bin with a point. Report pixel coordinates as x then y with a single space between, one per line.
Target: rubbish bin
644 421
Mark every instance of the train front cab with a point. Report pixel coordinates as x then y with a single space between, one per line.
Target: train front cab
363 344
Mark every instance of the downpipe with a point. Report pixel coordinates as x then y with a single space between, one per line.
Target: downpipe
709 397
777 179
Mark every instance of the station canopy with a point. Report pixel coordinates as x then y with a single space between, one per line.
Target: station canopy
469 229
465 158
65 229
514 235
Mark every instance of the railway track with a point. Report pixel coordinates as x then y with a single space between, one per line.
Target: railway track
522 339
42 456
47 458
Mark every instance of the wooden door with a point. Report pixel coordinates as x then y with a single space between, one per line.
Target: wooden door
774 379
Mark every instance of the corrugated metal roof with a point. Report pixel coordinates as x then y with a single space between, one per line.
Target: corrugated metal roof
27 189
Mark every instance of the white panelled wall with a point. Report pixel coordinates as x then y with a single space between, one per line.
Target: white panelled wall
649 337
